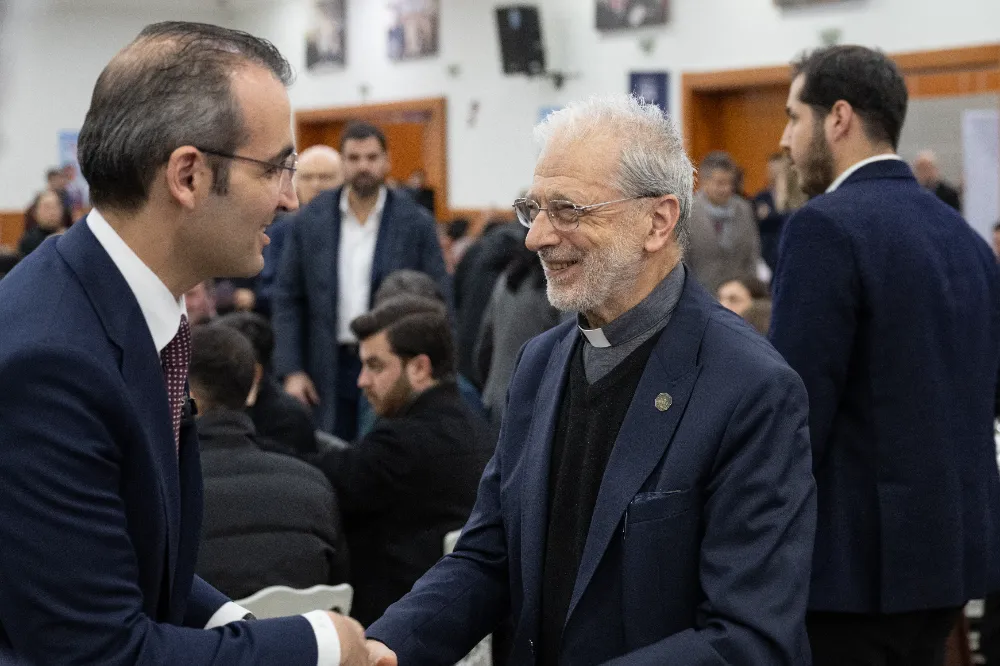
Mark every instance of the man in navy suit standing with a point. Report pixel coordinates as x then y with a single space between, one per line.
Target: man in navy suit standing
338 249
888 305
650 500
188 152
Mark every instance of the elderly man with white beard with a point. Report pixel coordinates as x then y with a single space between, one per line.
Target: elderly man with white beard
651 498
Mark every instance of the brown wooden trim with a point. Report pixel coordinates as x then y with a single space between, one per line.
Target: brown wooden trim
11 227
736 78
478 217
965 58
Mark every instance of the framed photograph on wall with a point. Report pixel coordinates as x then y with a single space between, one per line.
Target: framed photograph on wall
651 87
326 40
630 14
414 28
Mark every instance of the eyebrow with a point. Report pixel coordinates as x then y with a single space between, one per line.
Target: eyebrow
285 152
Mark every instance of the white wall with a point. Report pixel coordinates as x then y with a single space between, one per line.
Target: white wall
490 162
50 58
52 61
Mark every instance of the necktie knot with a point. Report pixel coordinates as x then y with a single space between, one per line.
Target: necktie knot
175 358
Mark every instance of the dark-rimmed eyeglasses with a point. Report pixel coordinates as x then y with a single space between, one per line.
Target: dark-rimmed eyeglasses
564 215
287 165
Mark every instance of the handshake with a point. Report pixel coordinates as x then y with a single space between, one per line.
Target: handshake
355 650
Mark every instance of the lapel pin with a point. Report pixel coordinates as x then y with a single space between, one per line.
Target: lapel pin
663 402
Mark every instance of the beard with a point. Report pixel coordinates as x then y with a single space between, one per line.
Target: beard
365 185
393 400
605 274
816 173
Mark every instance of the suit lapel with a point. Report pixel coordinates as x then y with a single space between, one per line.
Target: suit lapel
384 243
647 429
140 363
535 486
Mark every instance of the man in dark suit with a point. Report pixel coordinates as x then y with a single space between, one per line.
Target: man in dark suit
269 519
928 174
650 500
100 476
888 305
338 250
283 423
413 478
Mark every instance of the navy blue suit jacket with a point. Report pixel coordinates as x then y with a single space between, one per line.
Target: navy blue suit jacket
99 519
888 305
304 300
701 539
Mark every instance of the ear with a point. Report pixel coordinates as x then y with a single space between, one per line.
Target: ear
258 374
419 370
188 175
666 213
839 121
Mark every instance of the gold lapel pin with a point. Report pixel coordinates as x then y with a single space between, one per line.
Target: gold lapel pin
663 402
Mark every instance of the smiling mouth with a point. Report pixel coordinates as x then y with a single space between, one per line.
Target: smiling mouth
555 266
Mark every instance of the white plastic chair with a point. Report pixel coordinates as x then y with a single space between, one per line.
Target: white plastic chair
282 601
450 539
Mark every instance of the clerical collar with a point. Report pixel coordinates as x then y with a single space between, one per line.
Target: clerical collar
647 315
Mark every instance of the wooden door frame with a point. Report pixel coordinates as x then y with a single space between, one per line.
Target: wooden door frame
923 69
435 109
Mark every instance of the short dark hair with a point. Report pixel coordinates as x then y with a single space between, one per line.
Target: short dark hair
413 326
866 79
407 282
52 173
171 87
996 227
715 161
257 330
359 131
222 365
757 288
458 228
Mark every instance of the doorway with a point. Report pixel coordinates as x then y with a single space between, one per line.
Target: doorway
416 136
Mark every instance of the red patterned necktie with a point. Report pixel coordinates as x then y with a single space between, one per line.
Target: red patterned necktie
175 358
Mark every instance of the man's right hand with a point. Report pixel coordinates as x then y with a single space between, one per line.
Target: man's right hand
353 651
299 386
380 655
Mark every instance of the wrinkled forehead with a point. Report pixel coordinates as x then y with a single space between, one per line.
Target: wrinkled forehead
574 166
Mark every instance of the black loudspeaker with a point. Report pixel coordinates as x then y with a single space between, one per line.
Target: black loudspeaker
521 40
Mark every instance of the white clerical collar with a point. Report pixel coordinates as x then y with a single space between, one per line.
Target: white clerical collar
854 167
595 337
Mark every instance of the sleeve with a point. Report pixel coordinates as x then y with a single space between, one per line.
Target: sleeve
816 297
367 474
63 526
289 309
483 352
432 261
756 553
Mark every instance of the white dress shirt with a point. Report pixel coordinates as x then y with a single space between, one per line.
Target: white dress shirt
162 313
854 167
354 262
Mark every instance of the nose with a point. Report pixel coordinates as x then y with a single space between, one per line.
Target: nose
363 379
542 233
786 136
287 198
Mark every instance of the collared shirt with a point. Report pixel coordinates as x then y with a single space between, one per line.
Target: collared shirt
162 313
354 262
608 346
854 167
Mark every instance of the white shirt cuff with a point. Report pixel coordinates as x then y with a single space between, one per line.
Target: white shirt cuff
327 639
229 612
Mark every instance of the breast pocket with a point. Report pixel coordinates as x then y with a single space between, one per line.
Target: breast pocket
661 542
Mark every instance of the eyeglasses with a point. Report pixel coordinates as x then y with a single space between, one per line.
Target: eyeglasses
286 166
564 215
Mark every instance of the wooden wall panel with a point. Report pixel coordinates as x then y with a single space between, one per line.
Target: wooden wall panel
11 227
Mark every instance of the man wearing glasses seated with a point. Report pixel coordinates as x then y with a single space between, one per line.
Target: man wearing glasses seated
651 498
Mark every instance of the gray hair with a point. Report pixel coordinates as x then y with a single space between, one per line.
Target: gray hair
652 160
169 88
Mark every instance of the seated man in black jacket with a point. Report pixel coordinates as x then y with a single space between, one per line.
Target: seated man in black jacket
413 478
269 519
283 423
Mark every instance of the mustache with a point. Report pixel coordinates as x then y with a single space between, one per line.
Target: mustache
550 256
